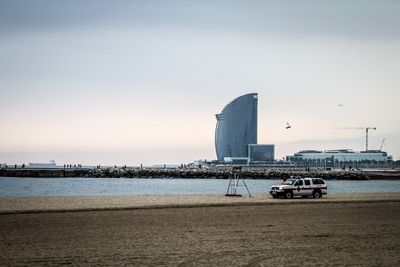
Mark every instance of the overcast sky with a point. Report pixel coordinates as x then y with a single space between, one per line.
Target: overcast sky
130 82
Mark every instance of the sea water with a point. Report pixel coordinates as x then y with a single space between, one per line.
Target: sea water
138 186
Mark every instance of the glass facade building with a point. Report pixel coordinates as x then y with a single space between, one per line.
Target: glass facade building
236 127
261 153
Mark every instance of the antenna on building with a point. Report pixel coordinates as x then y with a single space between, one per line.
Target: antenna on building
234 182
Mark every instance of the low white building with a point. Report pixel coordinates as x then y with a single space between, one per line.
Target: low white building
342 158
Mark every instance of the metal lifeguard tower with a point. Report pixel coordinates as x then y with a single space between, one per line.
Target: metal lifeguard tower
236 180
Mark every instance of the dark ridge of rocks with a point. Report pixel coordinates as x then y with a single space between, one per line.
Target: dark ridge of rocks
213 173
222 174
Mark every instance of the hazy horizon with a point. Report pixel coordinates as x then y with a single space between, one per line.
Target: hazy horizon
131 82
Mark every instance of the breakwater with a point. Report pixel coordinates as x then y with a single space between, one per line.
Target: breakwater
214 173
38 172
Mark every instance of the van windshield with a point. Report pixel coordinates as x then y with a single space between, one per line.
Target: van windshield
289 182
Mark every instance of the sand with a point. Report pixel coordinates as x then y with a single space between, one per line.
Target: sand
84 203
339 230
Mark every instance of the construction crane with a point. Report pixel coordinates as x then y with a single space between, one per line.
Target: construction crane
360 128
383 141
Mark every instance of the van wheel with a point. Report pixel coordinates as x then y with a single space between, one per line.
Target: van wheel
317 194
288 194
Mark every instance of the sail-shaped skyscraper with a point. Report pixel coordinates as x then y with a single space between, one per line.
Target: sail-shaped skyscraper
236 127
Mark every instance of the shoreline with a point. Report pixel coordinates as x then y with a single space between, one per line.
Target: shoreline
56 204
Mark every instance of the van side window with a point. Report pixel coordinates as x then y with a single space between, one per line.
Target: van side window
318 181
299 182
307 182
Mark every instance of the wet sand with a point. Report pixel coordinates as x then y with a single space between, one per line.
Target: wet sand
278 232
46 204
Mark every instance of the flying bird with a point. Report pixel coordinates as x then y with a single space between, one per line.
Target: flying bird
288 126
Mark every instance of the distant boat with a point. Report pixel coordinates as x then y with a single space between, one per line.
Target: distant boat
51 164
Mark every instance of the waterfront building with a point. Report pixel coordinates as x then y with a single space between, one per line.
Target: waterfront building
236 160
342 158
261 153
236 127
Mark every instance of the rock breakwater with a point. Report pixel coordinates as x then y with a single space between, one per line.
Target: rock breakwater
222 174
213 173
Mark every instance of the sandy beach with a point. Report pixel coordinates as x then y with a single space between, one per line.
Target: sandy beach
45 204
339 230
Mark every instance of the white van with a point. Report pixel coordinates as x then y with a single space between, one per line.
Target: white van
303 187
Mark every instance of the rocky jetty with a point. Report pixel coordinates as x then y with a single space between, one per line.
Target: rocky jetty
196 173
224 173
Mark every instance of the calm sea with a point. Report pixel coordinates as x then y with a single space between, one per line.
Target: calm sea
124 186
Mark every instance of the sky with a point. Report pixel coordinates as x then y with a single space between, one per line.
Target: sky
139 82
